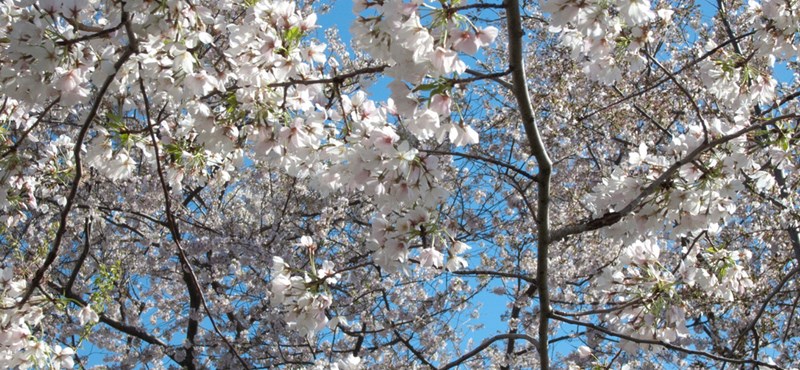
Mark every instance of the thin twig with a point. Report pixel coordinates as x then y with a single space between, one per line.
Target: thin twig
518 170
614 217
486 343
189 274
685 92
62 225
665 79
662 343
27 131
335 79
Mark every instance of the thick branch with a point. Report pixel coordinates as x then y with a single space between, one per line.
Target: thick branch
76 180
482 76
413 350
190 278
119 326
99 34
539 151
87 232
513 319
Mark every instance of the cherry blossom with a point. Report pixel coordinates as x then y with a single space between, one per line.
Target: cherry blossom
554 184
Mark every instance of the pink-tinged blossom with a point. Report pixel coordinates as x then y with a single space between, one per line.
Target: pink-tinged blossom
63 357
416 39
50 6
175 178
328 273
487 35
184 61
279 287
309 22
446 61
6 275
465 42
350 363
122 166
638 157
764 180
665 14
100 151
763 89
636 11
440 103
87 315
584 352
424 125
405 157
455 261
402 102
315 53
562 11
461 135
430 257
640 253
384 139
278 266
295 136
72 87
459 247
200 83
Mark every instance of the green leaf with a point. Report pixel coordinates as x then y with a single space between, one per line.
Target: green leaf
784 143
425 87
293 36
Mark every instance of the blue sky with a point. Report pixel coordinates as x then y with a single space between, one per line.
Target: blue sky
493 306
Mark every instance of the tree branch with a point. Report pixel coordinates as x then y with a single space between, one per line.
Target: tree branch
335 79
663 344
76 151
614 217
520 90
195 292
486 343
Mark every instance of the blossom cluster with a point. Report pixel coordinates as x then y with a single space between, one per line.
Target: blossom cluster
193 144
604 35
257 103
778 28
609 37
393 32
657 301
304 297
701 197
638 275
20 346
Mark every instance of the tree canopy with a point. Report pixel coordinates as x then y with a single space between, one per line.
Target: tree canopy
554 184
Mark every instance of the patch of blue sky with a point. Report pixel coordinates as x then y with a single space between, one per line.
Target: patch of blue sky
492 308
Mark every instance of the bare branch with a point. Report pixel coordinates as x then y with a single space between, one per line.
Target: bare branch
62 225
663 344
537 146
486 343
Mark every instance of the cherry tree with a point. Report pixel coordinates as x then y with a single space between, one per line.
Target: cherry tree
214 184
